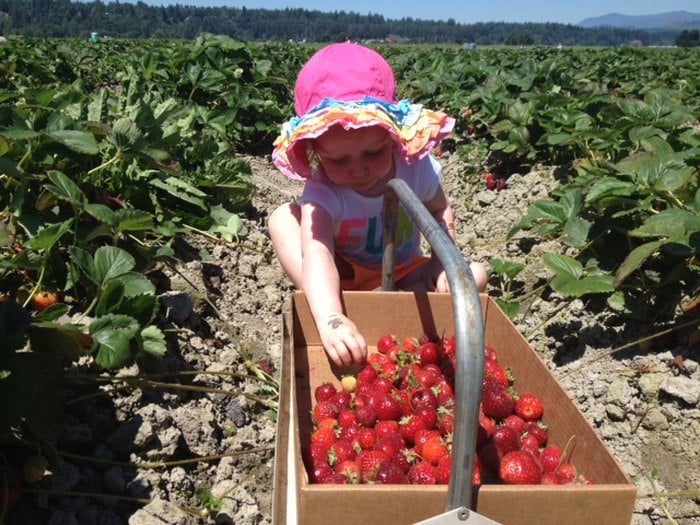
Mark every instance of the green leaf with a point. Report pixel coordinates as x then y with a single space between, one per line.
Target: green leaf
635 259
101 212
674 224
112 336
111 262
47 237
567 285
510 308
78 141
509 269
576 232
133 220
181 190
135 283
609 187
110 299
563 265
153 341
65 189
126 134
143 307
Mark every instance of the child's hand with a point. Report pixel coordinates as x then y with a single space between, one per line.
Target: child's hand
342 341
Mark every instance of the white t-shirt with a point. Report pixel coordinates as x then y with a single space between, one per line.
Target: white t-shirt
358 220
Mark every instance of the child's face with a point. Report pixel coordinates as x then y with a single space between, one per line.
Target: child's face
360 159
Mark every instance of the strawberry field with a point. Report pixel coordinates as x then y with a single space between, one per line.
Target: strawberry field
141 299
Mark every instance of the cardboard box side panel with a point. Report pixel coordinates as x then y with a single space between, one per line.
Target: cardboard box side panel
388 505
547 505
564 419
280 477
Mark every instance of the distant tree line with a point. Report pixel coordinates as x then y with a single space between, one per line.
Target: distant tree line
689 38
63 18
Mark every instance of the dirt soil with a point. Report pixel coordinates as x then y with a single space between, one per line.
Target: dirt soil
223 310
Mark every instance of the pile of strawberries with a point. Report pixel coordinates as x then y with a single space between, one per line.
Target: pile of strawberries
392 423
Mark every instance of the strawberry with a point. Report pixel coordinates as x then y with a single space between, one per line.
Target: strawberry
348 383
386 342
421 438
408 426
350 469
445 421
366 438
370 462
505 438
386 428
566 473
434 450
529 442
449 346
365 416
392 474
346 418
341 450
495 401
429 353
389 444
422 473
342 400
320 473
410 344
538 430
367 374
324 437
387 408
496 371
520 468
515 422
328 422
490 458
424 397
324 392
428 415
324 410
550 478
443 470
529 407
550 457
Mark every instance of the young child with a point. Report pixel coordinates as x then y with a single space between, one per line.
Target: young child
350 137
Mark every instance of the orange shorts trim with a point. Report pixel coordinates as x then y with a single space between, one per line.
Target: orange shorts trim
367 279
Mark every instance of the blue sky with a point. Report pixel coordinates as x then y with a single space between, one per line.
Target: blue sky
469 11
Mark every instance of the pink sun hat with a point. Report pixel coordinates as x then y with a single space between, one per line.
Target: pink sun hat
354 87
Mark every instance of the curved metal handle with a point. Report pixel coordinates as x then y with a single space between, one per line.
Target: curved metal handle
469 330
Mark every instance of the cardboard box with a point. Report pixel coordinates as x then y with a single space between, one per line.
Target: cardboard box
610 500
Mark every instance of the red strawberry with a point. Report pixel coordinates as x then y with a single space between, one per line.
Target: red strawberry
515 422
495 370
429 353
324 410
320 473
428 415
446 421
325 392
366 438
449 345
367 374
365 416
324 436
341 450
529 407
538 430
550 478
408 427
443 470
520 468
424 398
434 450
370 462
386 342
422 436
505 438
387 408
566 473
315 453
422 473
350 469
390 444
490 458
343 400
392 474
410 344
550 457
495 401
386 428
529 443
346 418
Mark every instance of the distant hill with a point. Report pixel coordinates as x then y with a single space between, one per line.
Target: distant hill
676 20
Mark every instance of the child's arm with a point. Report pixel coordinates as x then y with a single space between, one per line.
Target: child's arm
321 284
